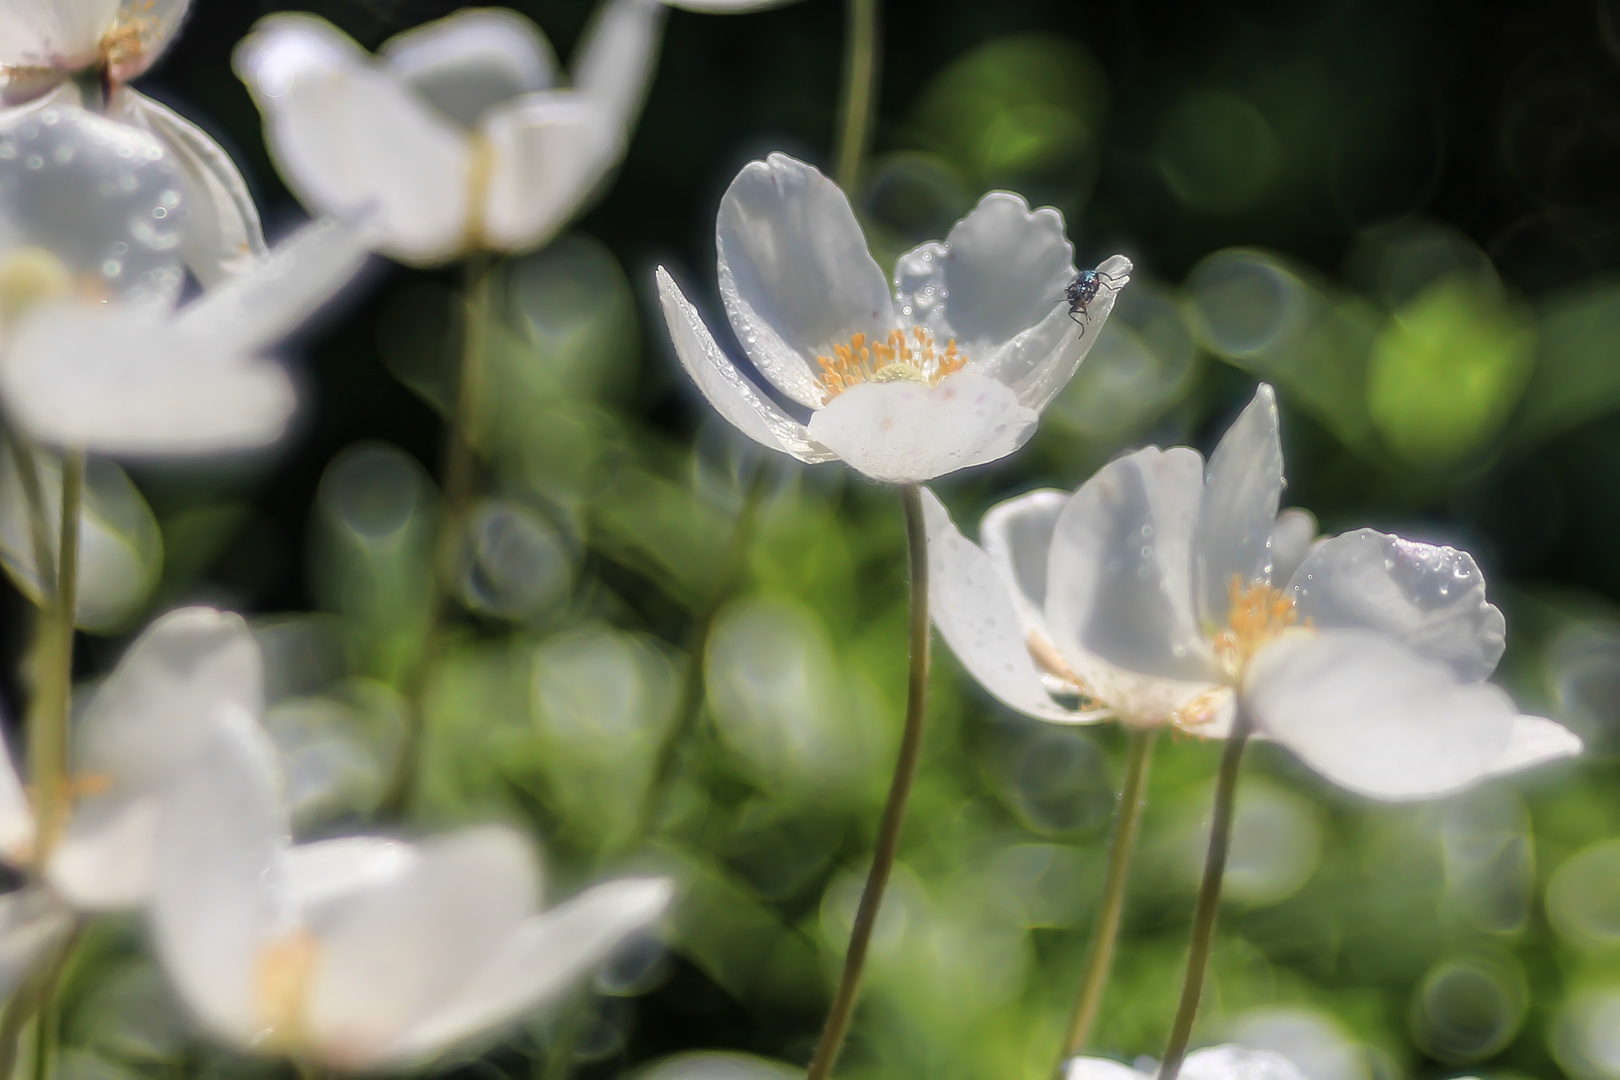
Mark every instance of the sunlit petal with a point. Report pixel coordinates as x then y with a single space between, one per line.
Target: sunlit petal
546 154
53 33
728 390
1535 740
1372 716
795 273
906 432
614 63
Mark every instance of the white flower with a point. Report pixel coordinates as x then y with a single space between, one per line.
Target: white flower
44 44
951 371
132 377
456 136
1148 592
1210 1063
360 953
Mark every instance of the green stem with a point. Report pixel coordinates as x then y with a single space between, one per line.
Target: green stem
1139 752
894 812
48 718
690 701
1209 897
860 93
39 528
460 468
35 997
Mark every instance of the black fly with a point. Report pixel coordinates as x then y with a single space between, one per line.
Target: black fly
1082 291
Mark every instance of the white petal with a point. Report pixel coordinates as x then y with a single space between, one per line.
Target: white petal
906 432
1242 487
223 236
1040 362
16 816
1238 1063
191 673
1535 740
1432 598
546 154
153 24
732 395
1017 535
32 923
1084 1068
395 954
1119 579
546 956
1004 270
355 144
116 382
795 273
466 63
217 839
53 33
973 608
614 63
259 308
312 876
1292 535
1373 716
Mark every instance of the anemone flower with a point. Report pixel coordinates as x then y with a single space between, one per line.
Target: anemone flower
84 52
95 357
1152 594
360 953
460 135
950 371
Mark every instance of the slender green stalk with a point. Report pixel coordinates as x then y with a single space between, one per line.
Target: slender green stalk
35 997
48 717
894 812
460 468
39 529
860 93
1209 897
1127 822
690 701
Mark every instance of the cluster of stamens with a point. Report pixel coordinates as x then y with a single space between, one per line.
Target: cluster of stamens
900 359
1259 614
130 35
281 984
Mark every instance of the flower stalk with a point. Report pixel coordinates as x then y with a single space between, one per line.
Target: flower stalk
460 467
894 811
1127 825
860 92
48 719
1209 896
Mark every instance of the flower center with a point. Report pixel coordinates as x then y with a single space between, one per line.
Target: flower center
281 984
900 359
1259 614
130 35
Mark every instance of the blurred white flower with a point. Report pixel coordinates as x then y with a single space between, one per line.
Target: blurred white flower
951 371
45 45
1210 1063
457 135
136 379
360 953
1148 593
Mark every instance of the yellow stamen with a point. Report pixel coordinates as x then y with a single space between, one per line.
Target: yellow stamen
131 35
1259 614
281 984
898 359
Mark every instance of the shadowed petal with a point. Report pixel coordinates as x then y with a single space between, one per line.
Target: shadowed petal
1005 267
731 394
1242 488
795 273
472 60
614 64
53 33
1375 717
974 610
546 154
1292 535
1432 598
906 432
1039 363
1017 535
1119 576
